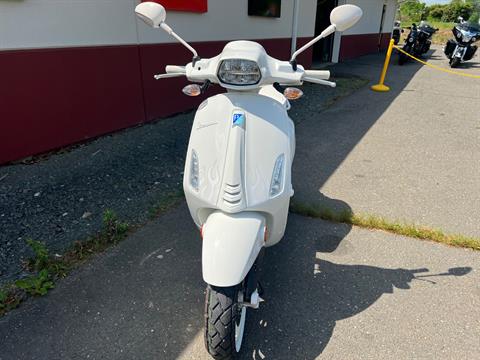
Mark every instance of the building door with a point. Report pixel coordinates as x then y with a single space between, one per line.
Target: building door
322 50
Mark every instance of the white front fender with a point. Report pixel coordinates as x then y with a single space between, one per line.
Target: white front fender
231 243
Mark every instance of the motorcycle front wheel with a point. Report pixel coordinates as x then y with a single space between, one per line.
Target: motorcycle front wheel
402 59
454 62
224 321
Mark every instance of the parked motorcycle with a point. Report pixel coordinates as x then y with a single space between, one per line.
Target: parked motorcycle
397 32
237 178
462 48
418 41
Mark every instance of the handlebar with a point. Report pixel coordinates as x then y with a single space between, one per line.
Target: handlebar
175 69
171 71
318 74
314 76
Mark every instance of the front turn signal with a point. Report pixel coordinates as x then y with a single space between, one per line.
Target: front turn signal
292 93
192 90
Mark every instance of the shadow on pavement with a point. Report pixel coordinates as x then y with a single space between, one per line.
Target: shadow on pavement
306 296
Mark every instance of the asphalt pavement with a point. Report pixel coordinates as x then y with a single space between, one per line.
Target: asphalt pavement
412 154
332 292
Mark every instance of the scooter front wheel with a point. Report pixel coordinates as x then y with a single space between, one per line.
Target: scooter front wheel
224 321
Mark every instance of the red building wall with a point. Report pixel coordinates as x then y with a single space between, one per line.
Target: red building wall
51 98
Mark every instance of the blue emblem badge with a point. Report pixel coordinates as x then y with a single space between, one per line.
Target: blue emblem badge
238 119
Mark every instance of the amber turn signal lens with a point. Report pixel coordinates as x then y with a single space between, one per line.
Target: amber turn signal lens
192 90
292 93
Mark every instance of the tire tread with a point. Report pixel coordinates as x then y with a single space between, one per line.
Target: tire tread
220 316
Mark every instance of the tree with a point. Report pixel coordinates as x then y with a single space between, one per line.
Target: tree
436 11
414 10
457 8
475 16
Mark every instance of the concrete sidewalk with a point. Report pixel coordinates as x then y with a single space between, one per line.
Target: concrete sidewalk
332 292
411 154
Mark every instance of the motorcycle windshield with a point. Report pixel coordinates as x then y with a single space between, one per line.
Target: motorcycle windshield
427 28
470 27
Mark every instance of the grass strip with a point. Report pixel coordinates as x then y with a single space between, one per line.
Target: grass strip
380 223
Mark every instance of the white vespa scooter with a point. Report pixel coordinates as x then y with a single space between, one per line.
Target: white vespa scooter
237 178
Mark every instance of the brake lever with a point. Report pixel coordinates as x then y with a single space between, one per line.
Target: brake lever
319 81
206 84
167 75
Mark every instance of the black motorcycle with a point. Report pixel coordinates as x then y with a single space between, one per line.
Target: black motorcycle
462 48
418 41
397 32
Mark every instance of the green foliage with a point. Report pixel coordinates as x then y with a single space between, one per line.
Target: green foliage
113 229
3 298
43 260
8 299
41 256
436 11
414 10
475 16
456 9
36 285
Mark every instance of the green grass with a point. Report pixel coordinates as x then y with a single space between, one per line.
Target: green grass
380 223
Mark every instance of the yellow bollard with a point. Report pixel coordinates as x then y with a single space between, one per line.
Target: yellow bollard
381 87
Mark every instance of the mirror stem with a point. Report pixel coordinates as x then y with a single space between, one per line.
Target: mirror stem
329 30
169 30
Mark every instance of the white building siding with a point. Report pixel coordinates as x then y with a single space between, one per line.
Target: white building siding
69 23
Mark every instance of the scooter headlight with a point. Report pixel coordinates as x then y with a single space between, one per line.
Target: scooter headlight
194 171
277 176
239 72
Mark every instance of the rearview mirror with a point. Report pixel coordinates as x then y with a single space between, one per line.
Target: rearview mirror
344 17
153 14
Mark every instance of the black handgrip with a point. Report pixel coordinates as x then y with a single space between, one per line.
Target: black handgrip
278 87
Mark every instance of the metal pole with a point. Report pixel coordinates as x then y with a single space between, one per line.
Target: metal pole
294 27
381 87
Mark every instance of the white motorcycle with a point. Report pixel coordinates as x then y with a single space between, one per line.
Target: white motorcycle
237 178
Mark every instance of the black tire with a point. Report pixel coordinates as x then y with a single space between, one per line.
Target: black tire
454 62
222 313
402 59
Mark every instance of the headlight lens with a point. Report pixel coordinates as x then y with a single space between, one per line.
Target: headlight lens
239 72
277 176
194 171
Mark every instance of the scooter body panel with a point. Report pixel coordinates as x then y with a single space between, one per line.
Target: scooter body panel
231 243
237 138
